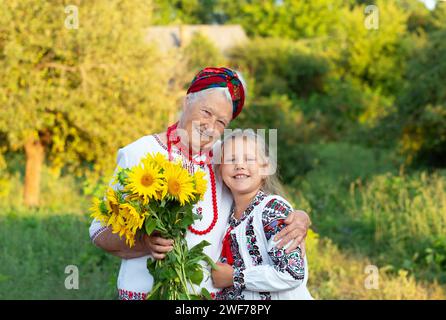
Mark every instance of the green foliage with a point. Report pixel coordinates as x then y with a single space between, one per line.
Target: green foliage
84 91
184 11
280 66
374 57
199 53
422 108
288 18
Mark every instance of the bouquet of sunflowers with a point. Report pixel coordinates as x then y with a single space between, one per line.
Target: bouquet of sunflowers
158 195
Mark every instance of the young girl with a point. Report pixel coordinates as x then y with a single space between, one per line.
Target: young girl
251 266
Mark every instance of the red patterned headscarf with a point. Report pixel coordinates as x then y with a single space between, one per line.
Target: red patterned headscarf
221 78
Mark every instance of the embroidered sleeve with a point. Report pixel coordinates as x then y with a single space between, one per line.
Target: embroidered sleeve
273 219
283 271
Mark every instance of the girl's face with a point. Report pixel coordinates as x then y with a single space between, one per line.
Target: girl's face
241 166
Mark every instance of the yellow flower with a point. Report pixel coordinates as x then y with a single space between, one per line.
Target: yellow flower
157 159
200 184
133 219
179 184
99 210
112 201
145 181
127 222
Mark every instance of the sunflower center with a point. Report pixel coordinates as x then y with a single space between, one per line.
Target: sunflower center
174 187
146 180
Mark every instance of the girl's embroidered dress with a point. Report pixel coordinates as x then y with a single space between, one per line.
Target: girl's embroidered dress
261 270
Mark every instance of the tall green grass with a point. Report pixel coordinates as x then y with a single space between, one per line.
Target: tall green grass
37 247
361 200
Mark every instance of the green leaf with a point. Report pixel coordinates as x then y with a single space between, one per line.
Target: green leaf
196 276
205 293
186 221
210 261
150 225
154 294
197 249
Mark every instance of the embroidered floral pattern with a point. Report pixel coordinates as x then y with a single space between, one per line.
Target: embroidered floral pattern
131 295
291 263
233 222
97 233
234 292
273 219
273 227
265 295
252 246
275 209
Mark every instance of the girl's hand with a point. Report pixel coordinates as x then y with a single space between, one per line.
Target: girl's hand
222 276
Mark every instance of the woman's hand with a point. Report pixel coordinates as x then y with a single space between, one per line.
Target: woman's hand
158 246
296 230
222 276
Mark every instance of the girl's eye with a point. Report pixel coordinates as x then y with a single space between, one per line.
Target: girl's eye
222 123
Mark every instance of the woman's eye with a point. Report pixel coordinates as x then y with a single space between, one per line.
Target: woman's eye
222 123
205 112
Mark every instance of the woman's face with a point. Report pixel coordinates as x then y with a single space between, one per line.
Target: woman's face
205 119
241 166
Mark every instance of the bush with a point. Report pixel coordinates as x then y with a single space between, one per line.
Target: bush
281 67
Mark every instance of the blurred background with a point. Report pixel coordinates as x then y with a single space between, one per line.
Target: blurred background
356 89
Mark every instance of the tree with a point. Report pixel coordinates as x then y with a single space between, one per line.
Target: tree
184 11
280 66
422 108
199 53
287 18
73 95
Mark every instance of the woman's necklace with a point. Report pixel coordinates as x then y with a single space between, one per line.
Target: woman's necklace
170 141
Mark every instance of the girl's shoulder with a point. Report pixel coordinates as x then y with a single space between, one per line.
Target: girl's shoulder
274 207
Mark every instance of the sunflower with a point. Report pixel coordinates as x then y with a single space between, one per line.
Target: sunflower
200 184
157 159
145 181
179 184
127 222
133 219
112 201
99 211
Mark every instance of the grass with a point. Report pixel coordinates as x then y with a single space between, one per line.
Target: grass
37 248
394 218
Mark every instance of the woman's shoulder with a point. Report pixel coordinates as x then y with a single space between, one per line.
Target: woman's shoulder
135 150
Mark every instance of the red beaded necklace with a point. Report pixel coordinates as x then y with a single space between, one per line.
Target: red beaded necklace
171 129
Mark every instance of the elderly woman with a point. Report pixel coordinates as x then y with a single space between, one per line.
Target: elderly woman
214 98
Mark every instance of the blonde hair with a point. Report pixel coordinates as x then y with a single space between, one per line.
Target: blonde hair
271 183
